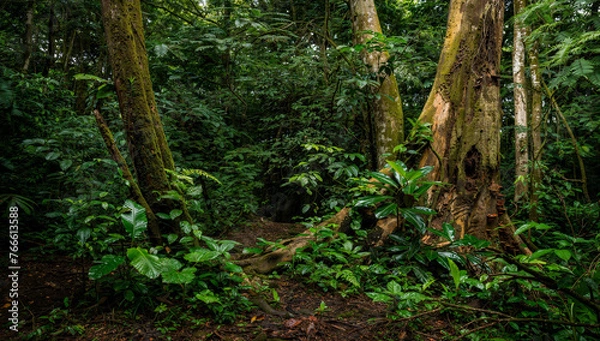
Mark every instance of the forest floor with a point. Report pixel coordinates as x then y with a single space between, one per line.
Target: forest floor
56 283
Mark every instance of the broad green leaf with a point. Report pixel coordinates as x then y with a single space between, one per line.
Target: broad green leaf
563 254
135 221
226 245
400 171
164 216
186 240
539 253
171 238
372 200
414 219
201 255
175 213
108 264
207 297
65 164
113 237
161 50
184 276
378 297
450 255
449 231
83 234
386 210
418 173
423 210
394 288
147 264
52 156
527 226
232 267
384 179
88 77
424 186
185 226
414 297
470 240
454 272
170 264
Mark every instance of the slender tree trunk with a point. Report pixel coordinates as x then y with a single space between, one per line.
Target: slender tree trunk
51 42
28 37
388 116
520 98
136 193
464 110
536 130
145 136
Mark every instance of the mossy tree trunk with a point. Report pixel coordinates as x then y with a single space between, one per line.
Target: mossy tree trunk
464 110
146 139
388 119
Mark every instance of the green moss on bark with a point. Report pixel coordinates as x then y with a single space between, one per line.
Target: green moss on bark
464 110
146 139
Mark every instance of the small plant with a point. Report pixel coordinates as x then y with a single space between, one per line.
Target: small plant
208 277
395 191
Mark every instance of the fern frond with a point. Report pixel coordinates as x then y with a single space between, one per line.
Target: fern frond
20 201
200 172
349 277
581 67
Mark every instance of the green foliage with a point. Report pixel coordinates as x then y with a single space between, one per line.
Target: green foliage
203 277
261 94
401 189
327 172
335 265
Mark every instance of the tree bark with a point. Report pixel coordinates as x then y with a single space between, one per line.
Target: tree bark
28 37
536 130
464 110
388 117
465 113
51 42
520 102
146 139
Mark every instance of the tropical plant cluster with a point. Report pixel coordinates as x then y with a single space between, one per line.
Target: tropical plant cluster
267 109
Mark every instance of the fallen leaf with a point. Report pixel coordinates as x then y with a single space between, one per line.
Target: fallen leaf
292 323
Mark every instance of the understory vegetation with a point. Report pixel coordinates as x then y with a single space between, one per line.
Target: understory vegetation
266 106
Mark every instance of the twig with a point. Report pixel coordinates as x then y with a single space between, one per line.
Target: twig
475 330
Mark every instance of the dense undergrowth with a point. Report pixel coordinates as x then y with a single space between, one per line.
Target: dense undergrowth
248 143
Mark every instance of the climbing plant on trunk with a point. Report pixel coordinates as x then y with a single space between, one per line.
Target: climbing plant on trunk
146 139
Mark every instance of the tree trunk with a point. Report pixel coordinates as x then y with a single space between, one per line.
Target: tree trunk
464 110
520 98
536 130
28 37
51 42
388 117
136 193
147 143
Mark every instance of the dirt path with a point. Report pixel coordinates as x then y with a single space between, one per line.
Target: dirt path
51 287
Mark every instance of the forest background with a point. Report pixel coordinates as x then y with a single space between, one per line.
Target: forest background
270 110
